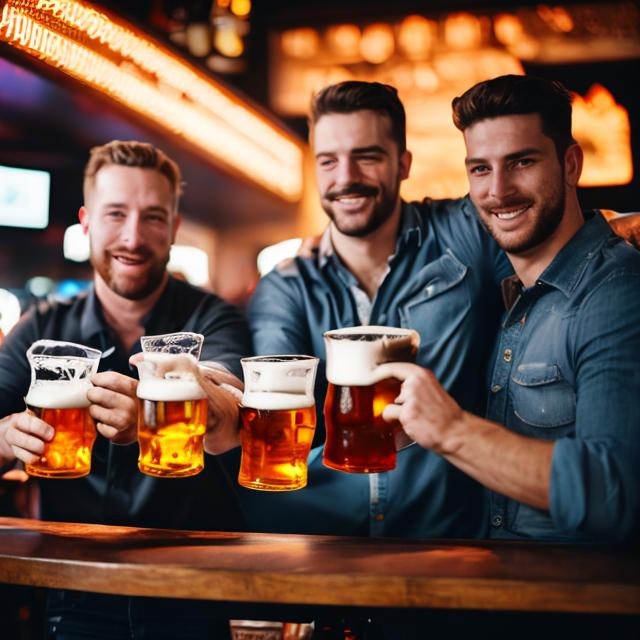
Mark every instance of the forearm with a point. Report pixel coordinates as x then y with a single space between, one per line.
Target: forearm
503 461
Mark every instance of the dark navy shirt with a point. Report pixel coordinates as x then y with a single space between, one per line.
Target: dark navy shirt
116 492
442 281
567 368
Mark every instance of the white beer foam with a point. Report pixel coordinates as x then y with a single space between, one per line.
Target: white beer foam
275 401
58 395
287 377
159 390
352 362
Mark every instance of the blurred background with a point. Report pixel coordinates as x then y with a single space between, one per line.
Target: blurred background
223 87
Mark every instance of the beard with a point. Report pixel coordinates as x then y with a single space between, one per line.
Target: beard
128 287
550 213
382 209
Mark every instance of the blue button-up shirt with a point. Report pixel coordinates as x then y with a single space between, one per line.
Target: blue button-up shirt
442 281
567 368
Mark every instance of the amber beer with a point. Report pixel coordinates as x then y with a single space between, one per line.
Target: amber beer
172 419
278 422
358 440
65 407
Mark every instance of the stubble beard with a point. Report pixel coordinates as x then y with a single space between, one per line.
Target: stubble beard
549 218
380 213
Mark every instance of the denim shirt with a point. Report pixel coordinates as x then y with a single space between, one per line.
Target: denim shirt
443 281
567 368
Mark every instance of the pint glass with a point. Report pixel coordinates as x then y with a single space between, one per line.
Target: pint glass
60 378
358 439
172 407
278 421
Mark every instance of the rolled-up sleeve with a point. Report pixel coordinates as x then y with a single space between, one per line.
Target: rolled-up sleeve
595 475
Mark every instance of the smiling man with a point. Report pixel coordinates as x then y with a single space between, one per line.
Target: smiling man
425 265
130 212
560 448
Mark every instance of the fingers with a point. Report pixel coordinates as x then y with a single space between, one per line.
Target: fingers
26 436
391 412
115 382
397 370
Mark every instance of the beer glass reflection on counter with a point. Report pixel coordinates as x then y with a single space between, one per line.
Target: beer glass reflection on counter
358 439
278 421
60 378
172 407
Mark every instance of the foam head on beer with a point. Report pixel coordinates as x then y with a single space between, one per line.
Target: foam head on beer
354 353
279 382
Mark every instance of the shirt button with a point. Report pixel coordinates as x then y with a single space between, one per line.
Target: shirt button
496 521
506 355
496 387
379 517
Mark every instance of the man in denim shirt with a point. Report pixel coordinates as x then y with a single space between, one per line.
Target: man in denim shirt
429 266
565 382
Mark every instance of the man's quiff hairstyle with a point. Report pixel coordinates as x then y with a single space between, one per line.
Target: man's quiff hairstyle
519 95
132 154
356 95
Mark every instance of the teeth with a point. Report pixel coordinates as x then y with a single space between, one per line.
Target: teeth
351 200
511 214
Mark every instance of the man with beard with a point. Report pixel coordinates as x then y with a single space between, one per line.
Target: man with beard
130 212
560 449
429 266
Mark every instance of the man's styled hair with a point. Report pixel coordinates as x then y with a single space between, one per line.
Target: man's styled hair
132 154
519 95
356 95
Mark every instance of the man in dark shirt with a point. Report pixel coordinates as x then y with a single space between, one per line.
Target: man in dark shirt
560 450
131 215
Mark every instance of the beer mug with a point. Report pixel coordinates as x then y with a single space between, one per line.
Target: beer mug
278 421
358 439
172 407
60 378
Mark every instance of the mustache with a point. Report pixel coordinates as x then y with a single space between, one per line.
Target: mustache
505 204
354 189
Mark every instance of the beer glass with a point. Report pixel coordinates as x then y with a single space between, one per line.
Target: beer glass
358 439
172 407
60 378
278 421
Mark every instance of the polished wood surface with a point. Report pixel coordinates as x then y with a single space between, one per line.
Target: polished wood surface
319 570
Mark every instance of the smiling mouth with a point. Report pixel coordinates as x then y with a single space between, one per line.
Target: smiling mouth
130 261
509 213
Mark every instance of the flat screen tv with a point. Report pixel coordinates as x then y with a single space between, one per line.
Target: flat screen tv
24 197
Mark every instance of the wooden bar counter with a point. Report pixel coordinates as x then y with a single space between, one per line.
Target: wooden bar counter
319 570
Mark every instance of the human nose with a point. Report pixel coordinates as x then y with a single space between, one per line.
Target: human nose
501 184
131 231
347 172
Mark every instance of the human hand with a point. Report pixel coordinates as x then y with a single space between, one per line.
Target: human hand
23 436
627 226
114 406
427 413
224 394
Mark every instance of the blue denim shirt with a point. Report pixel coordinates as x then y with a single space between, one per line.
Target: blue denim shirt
567 368
442 281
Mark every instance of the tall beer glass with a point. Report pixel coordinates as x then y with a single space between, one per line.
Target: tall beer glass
60 378
172 407
358 439
278 421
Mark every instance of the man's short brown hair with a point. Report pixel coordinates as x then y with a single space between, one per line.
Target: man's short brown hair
132 154
356 95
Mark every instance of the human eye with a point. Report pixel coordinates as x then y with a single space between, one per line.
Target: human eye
478 169
114 214
523 162
326 162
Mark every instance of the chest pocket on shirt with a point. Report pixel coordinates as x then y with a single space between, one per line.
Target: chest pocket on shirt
436 278
541 396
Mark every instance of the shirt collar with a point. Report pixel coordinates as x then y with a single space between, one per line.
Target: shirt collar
566 269
411 223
